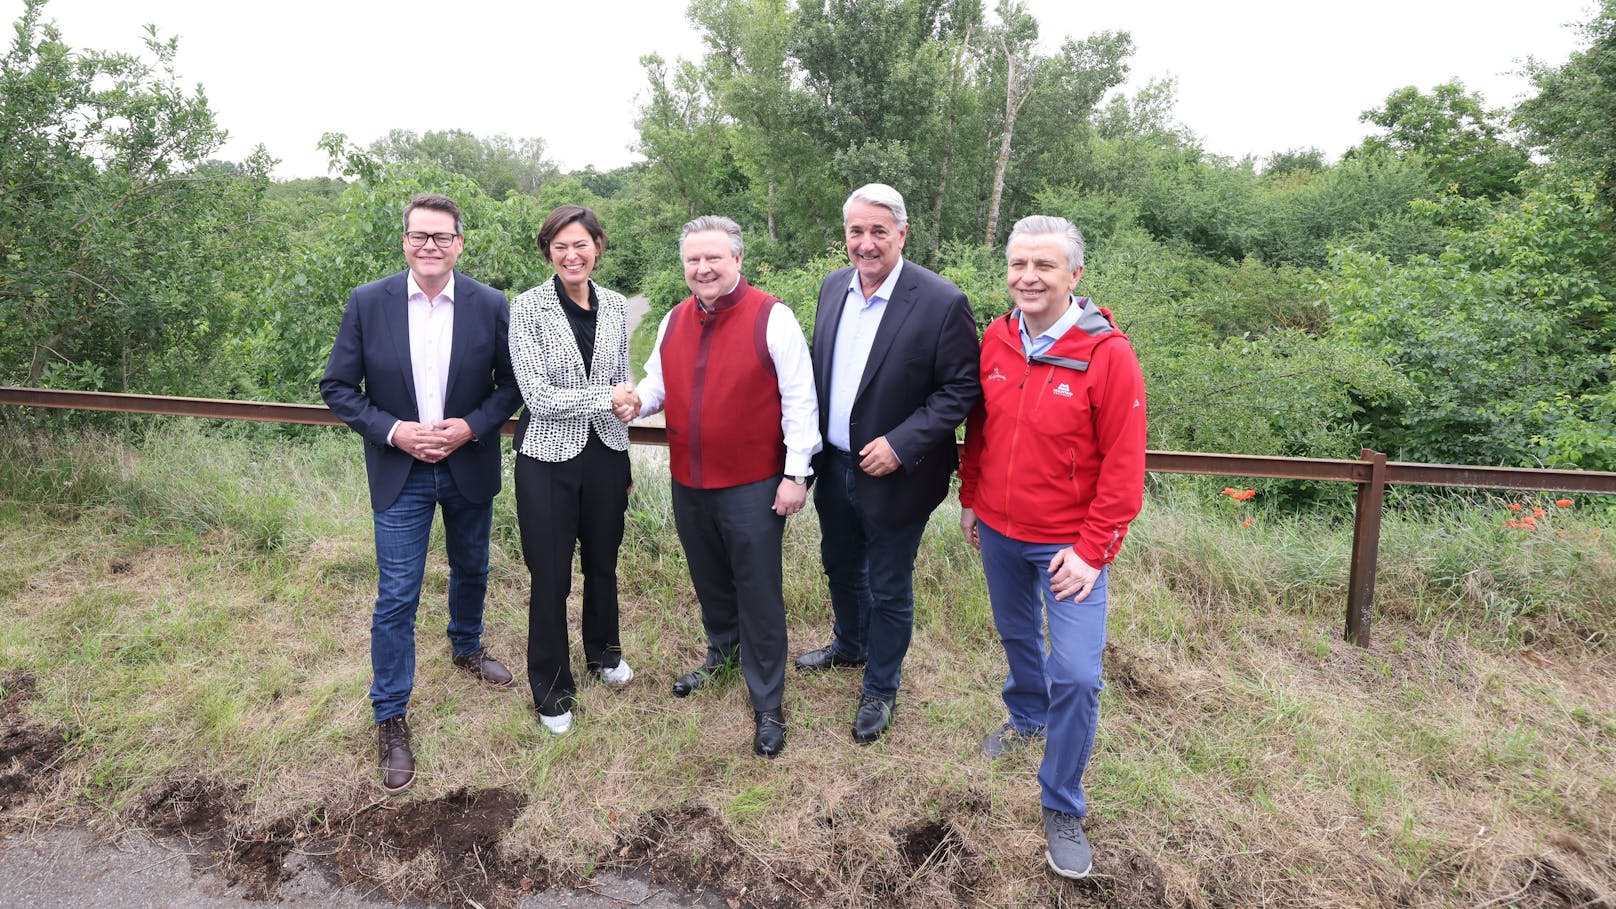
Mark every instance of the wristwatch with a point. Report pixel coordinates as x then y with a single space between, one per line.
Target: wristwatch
800 481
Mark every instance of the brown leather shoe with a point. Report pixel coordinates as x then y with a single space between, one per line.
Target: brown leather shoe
393 750
485 667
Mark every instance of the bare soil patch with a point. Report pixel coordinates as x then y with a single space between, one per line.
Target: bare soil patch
30 755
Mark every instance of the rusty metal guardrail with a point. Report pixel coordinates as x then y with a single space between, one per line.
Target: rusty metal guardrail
1372 473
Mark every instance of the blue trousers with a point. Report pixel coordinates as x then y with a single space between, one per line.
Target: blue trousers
1058 689
402 533
871 571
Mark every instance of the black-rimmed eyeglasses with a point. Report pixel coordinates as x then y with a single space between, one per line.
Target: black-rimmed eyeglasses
418 239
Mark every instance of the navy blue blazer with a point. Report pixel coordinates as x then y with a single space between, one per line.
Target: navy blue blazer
920 382
369 382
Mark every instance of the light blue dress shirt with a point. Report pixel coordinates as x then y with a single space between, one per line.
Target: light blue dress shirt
1033 347
855 333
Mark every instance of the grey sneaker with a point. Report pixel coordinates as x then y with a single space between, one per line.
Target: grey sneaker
1068 853
1008 738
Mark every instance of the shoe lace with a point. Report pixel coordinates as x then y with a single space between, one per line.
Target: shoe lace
1069 827
395 732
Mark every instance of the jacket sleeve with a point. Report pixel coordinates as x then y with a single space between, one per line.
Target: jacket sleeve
489 417
970 466
340 387
1119 425
955 387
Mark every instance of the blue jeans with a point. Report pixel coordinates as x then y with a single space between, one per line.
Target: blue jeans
871 572
402 533
1058 691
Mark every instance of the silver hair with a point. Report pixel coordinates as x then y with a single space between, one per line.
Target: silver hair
714 222
1048 226
878 194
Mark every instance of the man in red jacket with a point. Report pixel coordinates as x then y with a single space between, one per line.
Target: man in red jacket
1052 473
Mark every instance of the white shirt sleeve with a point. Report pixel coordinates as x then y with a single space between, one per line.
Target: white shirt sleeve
651 389
799 401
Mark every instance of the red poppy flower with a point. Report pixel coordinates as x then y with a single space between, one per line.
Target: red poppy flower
1562 503
1514 506
1538 512
1247 522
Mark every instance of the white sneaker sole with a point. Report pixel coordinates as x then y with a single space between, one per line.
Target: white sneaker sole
556 725
619 683
1069 875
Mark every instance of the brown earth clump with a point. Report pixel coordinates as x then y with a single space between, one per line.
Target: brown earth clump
30 755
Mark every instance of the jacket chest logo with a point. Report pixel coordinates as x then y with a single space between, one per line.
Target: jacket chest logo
997 375
1064 390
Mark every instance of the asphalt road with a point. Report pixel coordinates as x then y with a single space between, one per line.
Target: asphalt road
71 868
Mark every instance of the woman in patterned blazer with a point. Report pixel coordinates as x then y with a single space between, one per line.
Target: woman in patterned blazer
569 347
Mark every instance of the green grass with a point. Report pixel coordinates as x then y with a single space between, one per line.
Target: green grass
197 607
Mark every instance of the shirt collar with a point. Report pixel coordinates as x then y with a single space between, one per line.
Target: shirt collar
727 300
1061 326
884 292
411 288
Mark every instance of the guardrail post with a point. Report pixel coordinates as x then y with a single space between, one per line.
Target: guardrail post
1365 548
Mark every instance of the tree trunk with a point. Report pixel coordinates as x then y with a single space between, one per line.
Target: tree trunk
1014 95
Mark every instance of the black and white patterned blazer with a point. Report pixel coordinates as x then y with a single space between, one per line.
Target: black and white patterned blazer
562 401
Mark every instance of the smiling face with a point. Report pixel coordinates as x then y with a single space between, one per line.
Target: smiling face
432 263
1041 281
574 253
874 242
711 267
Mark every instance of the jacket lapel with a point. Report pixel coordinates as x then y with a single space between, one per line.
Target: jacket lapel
463 322
833 301
397 321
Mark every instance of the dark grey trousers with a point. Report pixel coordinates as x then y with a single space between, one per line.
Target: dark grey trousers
731 539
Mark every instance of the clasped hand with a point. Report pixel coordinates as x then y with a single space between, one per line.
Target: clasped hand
431 442
625 402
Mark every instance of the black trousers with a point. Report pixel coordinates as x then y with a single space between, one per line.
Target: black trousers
731 539
579 501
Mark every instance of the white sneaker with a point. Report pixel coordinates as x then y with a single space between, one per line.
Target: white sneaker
557 725
617 676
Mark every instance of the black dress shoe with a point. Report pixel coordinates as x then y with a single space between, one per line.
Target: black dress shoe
825 658
700 677
874 716
771 733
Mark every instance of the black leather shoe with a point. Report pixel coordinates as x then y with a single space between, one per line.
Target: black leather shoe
485 667
874 716
393 754
825 658
771 733
700 677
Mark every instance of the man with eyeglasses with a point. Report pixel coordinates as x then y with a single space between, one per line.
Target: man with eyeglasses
421 369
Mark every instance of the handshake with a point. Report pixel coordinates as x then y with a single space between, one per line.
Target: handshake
625 402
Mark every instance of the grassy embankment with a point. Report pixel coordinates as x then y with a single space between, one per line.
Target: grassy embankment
196 608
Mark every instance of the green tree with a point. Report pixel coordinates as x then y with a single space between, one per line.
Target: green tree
1465 145
1573 116
500 165
128 259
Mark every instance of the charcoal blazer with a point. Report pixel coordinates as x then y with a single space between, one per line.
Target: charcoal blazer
369 382
918 385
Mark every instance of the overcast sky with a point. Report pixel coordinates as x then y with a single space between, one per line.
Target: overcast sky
1253 77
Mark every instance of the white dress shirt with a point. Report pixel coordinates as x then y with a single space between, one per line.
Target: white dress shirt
431 336
855 333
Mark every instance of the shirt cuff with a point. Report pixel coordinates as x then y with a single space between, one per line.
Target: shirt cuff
396 425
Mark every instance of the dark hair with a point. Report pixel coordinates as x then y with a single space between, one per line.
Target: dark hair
570 214
435 202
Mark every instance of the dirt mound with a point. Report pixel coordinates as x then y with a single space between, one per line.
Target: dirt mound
30 755
693 847
445 848
195 808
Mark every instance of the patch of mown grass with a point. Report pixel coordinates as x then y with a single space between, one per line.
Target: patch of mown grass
198 606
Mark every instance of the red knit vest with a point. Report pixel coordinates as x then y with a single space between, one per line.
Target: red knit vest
722 396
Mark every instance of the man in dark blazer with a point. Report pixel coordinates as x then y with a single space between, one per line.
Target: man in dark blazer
421 369
895 363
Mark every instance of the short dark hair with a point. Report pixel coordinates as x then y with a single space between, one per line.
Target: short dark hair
570 214
436 202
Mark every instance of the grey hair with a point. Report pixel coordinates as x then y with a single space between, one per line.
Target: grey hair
714 222
1048 226
878 194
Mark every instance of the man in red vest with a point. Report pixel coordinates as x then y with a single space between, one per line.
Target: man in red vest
732 372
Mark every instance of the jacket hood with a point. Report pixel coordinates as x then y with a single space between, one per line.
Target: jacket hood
1075 349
